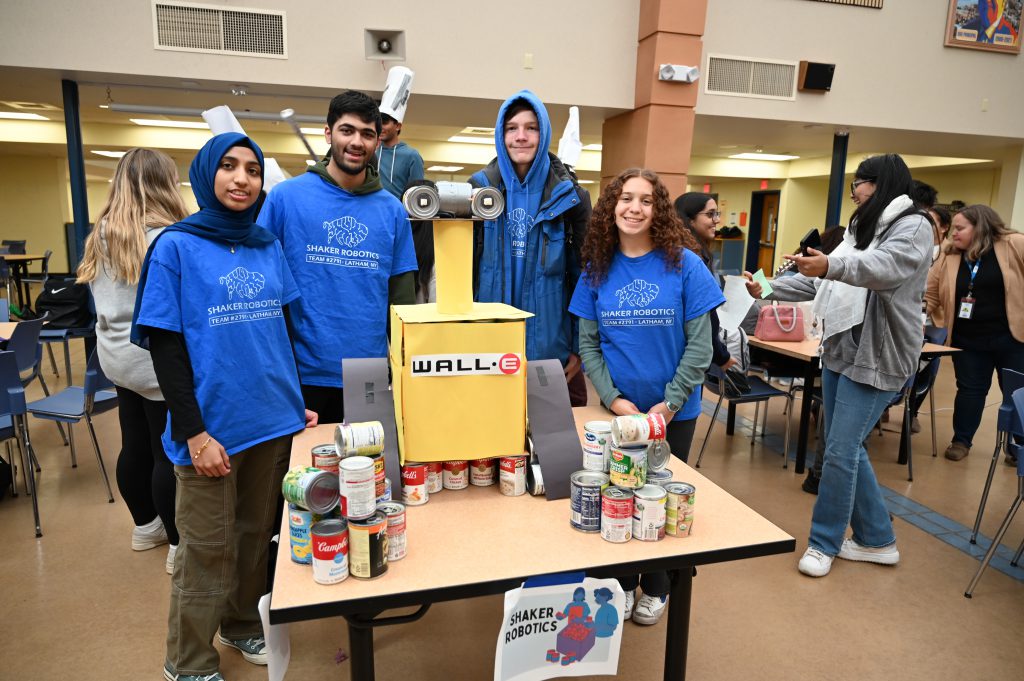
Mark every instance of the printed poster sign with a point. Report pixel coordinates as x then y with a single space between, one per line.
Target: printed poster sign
992 25
560 630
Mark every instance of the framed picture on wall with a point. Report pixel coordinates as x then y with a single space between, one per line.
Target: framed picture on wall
992 25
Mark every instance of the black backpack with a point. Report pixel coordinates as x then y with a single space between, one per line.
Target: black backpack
67 305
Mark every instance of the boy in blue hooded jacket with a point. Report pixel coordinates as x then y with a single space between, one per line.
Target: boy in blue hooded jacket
529 257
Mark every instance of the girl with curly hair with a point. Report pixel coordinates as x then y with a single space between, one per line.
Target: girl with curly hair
645 334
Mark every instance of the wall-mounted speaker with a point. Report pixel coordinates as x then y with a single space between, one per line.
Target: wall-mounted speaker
815 77
384 44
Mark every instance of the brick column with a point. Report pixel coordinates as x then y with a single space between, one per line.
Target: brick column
658 132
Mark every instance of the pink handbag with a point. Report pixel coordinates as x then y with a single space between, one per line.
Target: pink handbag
780 323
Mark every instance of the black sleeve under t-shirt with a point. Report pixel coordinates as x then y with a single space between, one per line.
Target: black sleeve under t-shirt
989 317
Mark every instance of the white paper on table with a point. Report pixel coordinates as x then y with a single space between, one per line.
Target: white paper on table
737 303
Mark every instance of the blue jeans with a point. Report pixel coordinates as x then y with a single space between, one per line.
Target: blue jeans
848 494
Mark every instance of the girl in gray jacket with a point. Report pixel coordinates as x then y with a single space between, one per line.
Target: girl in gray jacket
868 292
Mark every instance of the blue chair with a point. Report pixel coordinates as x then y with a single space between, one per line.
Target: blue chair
74 403
1017 400
1008 425
28 353
14 425
759 392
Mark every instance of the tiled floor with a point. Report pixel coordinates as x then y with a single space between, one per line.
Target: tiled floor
79 604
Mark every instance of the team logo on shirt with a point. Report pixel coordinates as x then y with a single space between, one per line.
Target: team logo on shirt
519 223
637 293
244 283
347 231
244 288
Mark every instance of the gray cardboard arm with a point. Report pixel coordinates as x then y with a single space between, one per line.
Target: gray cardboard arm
368 397
552 426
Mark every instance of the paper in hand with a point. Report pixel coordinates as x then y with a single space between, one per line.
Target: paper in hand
766 288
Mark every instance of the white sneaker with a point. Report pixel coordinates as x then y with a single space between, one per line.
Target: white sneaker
814 563
172 551
885 555
149 536
649 609
627 610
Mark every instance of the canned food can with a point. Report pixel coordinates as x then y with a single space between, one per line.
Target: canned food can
534 480
660 478
617 514
311 488
325 457
637 429
585 500
455 474
330 551
481 472
649 513
414 483
596 441
358 489
368 545
628 466
679 508
396 529
387 492
299 523
359 439
379 475
512 475
434 477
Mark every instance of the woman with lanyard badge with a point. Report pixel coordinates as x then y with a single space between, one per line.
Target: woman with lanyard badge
974 292
211 298
645 333
868 292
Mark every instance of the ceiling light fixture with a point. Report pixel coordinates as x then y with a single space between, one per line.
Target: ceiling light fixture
445 169
184 112
758 156
465 139
159 123
19 116
311 131
110 154
586 181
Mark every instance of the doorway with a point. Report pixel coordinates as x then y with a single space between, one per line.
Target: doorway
764 222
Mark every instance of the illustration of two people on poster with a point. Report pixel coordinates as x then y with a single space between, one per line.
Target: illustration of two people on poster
581 631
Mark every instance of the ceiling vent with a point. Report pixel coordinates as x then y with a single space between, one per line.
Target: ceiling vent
745 77
213 29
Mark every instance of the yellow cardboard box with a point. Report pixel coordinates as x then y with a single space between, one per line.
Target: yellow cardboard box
459 381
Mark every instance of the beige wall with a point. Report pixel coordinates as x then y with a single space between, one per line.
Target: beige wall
33 194
468 48
891 66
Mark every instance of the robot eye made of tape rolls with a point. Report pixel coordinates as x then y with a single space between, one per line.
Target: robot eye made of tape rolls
459 375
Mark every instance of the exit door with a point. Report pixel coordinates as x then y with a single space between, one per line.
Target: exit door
764 224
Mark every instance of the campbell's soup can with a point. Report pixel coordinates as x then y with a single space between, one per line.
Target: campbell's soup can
455 474
325 457
660 478
396 529
585 500
628 466
597 437
649 513
638 429
330 551
512 475
379 475
481 472
358 488
368 546
434 477
414 483
300 522
679 508
311 488
617 514
359 439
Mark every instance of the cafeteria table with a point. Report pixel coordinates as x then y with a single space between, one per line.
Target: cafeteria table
477 542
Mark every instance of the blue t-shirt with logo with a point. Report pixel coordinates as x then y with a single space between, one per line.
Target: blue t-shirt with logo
518 233
228 306
343 248
641 309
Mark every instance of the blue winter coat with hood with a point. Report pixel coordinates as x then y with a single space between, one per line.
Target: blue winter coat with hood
558 212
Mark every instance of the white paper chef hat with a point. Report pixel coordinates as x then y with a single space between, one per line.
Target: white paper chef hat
396 92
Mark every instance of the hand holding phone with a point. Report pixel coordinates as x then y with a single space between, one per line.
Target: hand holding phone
811 240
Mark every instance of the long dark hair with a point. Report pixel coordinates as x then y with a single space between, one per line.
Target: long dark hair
687 207
892 179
